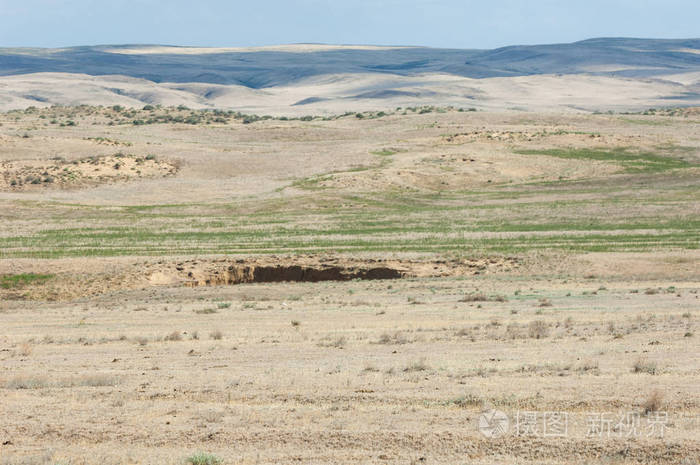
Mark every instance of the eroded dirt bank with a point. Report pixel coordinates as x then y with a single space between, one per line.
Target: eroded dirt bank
66 280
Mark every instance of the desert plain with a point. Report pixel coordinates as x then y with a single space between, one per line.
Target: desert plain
190 285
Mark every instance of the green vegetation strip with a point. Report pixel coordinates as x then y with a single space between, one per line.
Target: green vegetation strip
631 161
639 213
16 281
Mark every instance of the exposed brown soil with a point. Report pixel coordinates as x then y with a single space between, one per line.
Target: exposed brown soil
102 277
24 175
195 273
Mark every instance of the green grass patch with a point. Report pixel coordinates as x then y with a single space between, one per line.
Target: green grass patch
385 152
631 161
203 458
16 281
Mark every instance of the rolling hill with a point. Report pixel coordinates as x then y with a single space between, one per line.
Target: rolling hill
595 74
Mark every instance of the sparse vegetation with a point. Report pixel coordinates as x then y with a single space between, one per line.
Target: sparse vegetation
480 297
16 281
417 365
438 202
173 337
203 458
654 402
538 329
642 365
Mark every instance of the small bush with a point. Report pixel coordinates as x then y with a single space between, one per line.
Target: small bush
206 311
396 339
27 382
418 365
654 402
645 366
481 297
338 343
216 335
203 458
369 368
538 329
587 366
25 349
469 400
174 336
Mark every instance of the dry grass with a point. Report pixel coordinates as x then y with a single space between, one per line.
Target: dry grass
417 365
396 338
43 382
538 329
481 297
654 402
25 349
349 371
173 337
642 365
202 458
338 342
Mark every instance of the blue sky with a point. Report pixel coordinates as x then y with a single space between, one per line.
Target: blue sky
437 23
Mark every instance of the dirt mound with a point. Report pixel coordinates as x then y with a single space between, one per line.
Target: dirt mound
58 173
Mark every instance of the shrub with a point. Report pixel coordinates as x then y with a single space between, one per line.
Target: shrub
396 339
27 382
645 366
174 336
481 297
337 343
203 458
418 365
654 402
216 335
538 329
469 400
206 311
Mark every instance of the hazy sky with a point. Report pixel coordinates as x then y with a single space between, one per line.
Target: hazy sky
438 23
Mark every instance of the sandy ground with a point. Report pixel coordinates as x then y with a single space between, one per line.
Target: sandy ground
392 371
144 319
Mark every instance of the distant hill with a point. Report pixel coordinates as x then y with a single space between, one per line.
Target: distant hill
365 75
